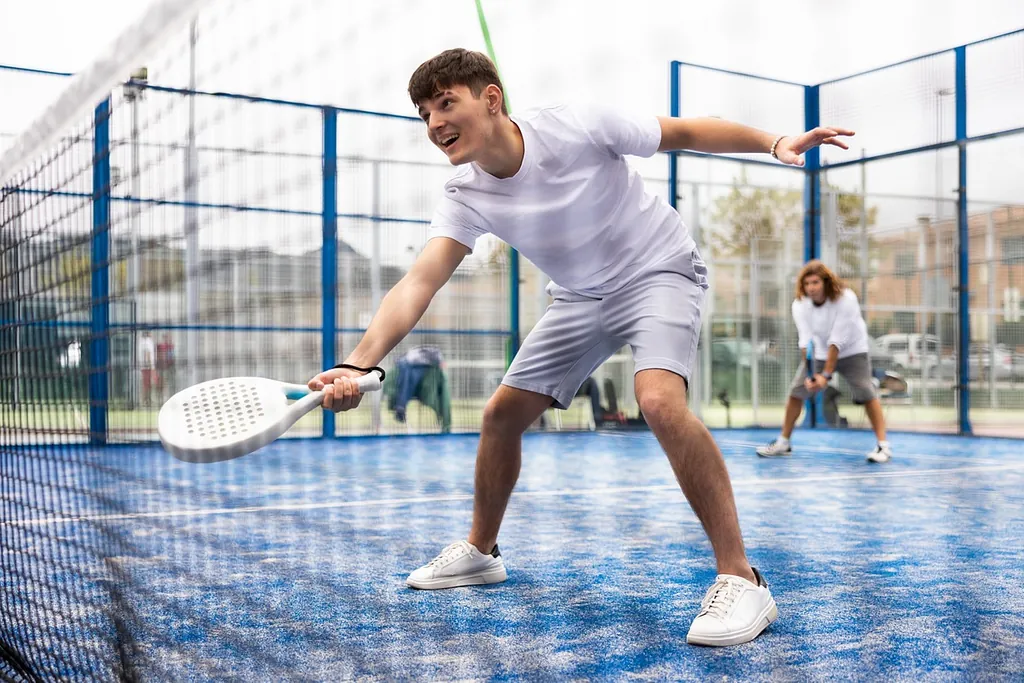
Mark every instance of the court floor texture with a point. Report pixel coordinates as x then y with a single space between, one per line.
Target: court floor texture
290 564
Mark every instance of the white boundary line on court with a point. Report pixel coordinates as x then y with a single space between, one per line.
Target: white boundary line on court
385 502
897 454
828 450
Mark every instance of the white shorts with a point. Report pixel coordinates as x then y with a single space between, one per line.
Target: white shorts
658 314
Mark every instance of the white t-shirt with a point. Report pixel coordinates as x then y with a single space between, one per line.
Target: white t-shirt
835 323
576 209
147 353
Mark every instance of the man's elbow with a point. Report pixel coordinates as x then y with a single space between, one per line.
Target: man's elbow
416 285
675 134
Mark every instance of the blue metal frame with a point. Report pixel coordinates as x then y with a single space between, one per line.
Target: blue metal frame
37 324
329 252
513 276
271 100
813 191
99 350
811 170
27 70
705 67
963 249
673 157
101 198
812 182
812 218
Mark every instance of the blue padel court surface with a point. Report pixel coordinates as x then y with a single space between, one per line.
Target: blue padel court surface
290 564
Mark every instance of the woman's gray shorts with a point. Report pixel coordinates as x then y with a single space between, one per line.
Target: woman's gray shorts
855 369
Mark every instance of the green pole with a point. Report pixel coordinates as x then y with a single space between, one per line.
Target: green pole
512 346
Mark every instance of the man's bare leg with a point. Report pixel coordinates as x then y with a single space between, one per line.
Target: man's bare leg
697 463
498 458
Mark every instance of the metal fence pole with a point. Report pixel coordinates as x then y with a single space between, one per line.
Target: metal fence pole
963 248
192 255
375 284
865 266
329 252
990 314
99 351
812 205
922 327
755 331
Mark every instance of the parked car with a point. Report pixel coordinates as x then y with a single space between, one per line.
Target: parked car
917 354
980 361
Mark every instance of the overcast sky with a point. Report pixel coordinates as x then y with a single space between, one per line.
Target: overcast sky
360 54
800 40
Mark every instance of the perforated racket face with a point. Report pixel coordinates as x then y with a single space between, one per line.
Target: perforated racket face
224 418
222 410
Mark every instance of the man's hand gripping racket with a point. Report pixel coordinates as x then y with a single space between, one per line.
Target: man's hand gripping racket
231 417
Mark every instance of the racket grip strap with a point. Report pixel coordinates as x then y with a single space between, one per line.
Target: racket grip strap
375 368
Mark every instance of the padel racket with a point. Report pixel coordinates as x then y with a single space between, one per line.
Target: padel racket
227 418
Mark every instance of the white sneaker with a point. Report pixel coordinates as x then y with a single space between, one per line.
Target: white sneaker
460 564
733 611
775 448
882 453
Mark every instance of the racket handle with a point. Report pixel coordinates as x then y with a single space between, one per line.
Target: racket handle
368 382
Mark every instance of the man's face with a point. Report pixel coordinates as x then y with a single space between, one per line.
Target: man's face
814 287
457 122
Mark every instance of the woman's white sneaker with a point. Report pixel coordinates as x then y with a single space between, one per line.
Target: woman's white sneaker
776 448
460 564
733 611
882 452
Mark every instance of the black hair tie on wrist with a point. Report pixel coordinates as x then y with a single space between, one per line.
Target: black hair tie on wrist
376 369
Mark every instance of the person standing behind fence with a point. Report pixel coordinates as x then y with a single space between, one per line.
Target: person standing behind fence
165 366
827 314
147 365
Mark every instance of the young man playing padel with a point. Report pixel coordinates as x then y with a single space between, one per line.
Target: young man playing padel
554 183
827 316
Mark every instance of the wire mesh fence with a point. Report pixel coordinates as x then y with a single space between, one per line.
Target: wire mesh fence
215 247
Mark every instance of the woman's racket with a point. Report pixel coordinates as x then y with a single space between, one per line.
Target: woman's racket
231 417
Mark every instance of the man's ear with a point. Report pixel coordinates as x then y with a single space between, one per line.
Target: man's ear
493 95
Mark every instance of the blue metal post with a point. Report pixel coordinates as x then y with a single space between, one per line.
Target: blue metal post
329 251
812 182
812 213
513 277
673 158
99 351
963 248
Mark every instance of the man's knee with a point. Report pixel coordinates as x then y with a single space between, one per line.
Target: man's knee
661 396
511 410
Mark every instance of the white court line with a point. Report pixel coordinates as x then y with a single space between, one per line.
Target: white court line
897 454
752 481
828 450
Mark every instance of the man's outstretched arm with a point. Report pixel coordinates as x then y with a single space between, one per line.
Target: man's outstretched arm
718 136
400 310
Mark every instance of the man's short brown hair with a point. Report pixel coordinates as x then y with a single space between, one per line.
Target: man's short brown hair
834 284
451 68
